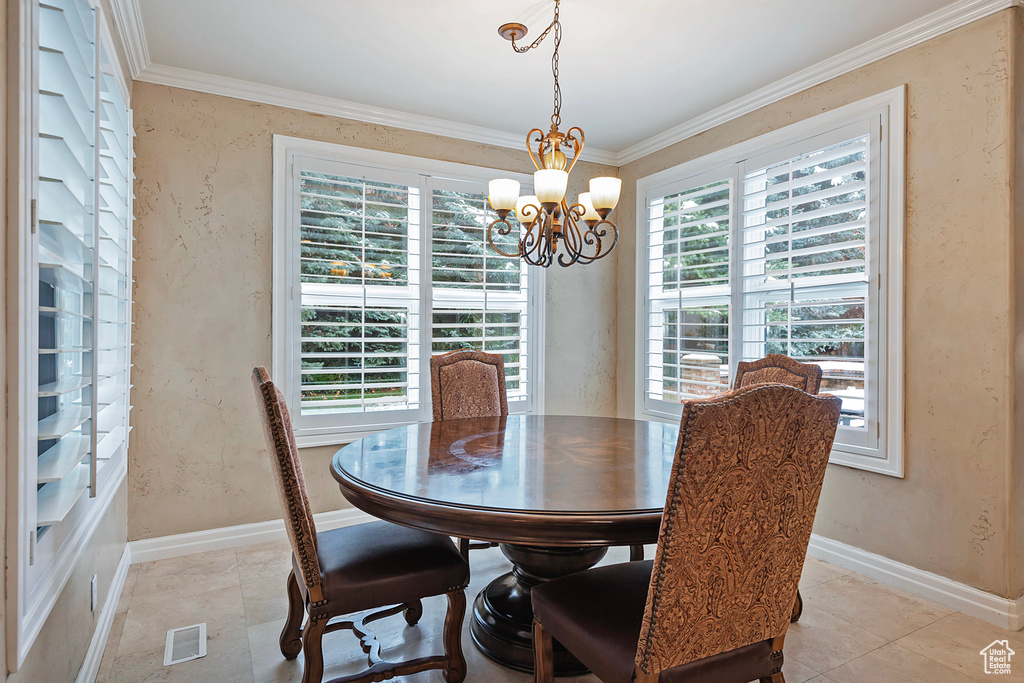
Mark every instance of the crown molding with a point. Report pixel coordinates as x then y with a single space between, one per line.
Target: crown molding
941 21
319 104
128 22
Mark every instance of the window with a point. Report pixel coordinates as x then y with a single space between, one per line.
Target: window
75 246
788 243
381 260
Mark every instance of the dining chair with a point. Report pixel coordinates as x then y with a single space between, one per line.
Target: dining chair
356 568
714 603
779 369
466 383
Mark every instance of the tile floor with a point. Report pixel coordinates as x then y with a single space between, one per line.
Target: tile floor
853 630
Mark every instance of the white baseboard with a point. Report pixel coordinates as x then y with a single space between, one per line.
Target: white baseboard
163 547
94 655
996 610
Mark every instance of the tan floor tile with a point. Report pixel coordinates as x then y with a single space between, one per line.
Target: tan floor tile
823 641
957 641
263 578
818 679
227 659
185 576
818 571
147 624
883 611
895 663
129 586
110 651
279 552
796 671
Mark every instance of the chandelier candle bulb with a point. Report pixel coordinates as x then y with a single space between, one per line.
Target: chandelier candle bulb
604 192
589 212
526 208
550 185
503 193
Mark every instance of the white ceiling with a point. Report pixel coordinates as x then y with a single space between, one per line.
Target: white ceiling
628 70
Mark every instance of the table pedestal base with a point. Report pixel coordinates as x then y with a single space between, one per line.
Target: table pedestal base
503 612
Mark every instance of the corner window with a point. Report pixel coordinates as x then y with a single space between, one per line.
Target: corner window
381 260
789 243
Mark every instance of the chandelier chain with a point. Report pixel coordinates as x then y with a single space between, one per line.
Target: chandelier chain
556 117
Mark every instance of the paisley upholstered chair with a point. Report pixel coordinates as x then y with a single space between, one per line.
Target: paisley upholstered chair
356 568
467 383
778 369
714 604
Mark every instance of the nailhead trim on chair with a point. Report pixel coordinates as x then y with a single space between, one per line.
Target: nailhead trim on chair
310 573
684 440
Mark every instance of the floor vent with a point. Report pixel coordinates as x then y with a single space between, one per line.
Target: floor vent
185 644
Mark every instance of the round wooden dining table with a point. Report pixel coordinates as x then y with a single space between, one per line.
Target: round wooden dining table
555 491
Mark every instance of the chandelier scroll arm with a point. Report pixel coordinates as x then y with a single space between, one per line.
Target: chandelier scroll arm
577 145
504 230
540 146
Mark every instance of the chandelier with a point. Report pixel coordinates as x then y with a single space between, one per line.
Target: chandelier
580 233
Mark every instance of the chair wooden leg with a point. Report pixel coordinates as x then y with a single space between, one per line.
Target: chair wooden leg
312 649
636 553
543 659
291 634
774 678
798 608
455 672
412 612
464 548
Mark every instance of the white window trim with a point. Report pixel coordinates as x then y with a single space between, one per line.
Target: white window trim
286 150
891 104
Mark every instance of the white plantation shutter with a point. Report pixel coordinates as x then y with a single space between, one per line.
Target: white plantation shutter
688 295
480 299
789 243
805 251
360 279
78 247
66 216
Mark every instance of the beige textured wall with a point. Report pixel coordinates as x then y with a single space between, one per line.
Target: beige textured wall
951 514
59 650
203 305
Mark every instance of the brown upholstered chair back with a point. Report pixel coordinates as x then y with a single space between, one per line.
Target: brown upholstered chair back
466 384
742 496
778 369
291 485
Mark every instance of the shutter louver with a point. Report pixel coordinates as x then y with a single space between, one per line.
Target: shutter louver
480 298
804 263
360 298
